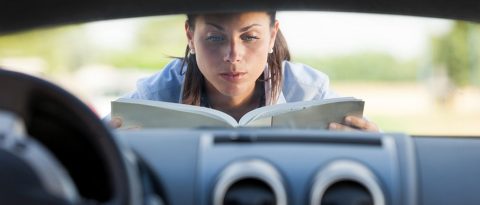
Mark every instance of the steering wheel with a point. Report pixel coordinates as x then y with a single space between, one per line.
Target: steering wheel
60 131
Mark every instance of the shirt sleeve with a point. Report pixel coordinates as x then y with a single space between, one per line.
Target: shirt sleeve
165 85
303 83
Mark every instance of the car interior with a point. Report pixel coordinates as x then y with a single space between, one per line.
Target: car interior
55 150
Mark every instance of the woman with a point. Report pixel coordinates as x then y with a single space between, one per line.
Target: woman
235 63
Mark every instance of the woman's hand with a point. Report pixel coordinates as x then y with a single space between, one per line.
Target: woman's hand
115 122
352 123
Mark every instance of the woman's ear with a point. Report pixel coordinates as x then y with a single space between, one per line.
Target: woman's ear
274 33
189 33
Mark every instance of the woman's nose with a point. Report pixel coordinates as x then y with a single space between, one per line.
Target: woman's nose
233 53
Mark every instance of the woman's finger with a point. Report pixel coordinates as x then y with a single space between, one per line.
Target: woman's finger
340 127
116 122
361 123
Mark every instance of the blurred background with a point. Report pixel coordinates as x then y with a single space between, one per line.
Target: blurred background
416 75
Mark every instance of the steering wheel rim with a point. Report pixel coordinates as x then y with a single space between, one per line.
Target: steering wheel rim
27 96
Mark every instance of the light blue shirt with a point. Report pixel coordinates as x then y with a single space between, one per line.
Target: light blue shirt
300 83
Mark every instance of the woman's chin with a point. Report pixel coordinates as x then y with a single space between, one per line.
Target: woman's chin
233 91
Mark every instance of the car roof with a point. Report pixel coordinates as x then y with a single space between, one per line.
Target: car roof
27 14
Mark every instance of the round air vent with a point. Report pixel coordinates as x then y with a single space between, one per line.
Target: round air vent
249 191
347 193
345 182
253 182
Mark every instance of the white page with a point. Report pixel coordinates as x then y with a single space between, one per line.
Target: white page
148 113
319 117
275 110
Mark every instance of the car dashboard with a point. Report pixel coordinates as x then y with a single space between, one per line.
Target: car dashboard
275 166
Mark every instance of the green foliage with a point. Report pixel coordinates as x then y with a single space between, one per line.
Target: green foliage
67 48
59 47
364 66
456 51
165 33
156 42
146 59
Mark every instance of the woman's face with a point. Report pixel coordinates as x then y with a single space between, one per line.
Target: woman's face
232 49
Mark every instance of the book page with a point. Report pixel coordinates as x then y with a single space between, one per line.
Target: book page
319 117
137 113
257 122
303 114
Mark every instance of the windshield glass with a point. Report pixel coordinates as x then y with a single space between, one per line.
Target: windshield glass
416 75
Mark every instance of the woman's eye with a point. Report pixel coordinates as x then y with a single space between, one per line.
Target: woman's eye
250 38
215 38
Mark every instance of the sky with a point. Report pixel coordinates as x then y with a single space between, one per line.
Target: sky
115 34
330 33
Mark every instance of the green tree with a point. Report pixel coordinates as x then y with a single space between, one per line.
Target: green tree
456 52
157 39
61 48
364 66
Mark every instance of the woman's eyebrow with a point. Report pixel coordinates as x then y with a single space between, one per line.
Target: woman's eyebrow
215 25
248 27
241 30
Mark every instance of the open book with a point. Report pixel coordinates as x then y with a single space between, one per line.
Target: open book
318 114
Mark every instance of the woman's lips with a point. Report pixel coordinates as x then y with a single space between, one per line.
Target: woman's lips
233 76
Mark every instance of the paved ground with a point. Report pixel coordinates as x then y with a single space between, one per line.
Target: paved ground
411 108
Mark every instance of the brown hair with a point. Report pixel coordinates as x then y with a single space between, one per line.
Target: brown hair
194 80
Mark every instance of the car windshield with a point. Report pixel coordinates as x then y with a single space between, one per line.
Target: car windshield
416 75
